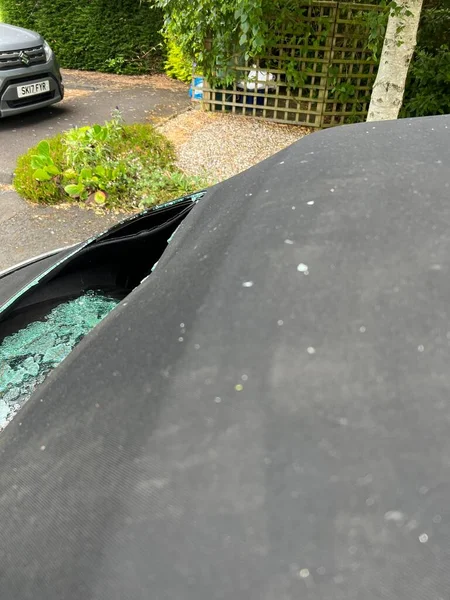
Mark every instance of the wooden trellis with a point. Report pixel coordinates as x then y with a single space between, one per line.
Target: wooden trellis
333 71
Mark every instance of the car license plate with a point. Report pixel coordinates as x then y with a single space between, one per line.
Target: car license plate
32 89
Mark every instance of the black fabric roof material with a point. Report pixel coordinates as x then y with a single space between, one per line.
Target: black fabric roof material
267 416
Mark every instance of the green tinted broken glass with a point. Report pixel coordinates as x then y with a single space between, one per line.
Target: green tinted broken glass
27 357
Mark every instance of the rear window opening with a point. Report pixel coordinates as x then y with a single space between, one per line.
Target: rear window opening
45 322
28 356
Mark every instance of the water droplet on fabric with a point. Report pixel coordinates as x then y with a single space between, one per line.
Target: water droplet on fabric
394 515
411 525
437 519
304 573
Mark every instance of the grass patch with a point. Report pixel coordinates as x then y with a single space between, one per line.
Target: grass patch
110 166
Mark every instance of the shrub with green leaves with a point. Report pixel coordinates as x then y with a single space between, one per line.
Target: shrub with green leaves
177 65
118 36
111 166
428 85
215 33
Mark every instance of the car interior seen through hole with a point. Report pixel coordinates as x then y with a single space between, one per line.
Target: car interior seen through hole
42 323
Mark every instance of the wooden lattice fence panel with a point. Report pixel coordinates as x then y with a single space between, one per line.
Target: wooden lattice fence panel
326 49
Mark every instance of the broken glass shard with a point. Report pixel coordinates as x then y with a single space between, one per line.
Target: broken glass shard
28 356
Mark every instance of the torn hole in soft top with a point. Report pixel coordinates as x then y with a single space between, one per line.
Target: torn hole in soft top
41 326
119 258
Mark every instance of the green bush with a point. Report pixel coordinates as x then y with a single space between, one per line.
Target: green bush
428 85
112 166
26 184
177 64
428 88
121 36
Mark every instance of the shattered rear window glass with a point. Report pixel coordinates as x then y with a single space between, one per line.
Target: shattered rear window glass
28 356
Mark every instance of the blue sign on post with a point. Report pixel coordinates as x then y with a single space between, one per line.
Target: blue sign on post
196 89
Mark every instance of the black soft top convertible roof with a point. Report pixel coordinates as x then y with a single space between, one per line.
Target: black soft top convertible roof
267 416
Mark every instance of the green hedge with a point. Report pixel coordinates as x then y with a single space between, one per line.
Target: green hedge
120 36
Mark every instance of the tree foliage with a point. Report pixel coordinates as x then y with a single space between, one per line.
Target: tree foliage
428 84
216 34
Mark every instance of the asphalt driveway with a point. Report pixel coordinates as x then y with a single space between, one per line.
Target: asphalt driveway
27 230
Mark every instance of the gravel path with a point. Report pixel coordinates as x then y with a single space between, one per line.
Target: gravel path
221 146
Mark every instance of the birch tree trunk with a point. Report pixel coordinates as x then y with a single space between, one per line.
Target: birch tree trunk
398 48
